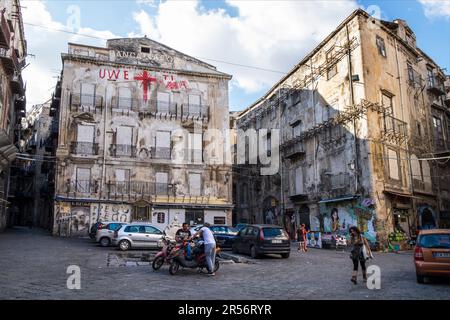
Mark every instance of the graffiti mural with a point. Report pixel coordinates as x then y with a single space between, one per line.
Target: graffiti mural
339 218
79 221
110 212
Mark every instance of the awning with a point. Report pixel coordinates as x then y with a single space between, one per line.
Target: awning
338 199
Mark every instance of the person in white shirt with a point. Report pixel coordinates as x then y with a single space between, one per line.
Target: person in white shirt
210 246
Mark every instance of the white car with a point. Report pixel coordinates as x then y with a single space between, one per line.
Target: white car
138 235
104 235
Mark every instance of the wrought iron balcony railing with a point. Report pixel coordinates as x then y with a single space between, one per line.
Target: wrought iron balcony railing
137 189
195 111
123 150
394 130
85 102
161 153
84 148
82 186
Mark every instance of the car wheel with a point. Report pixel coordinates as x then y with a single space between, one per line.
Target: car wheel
285 255
234 249
420 279
157 263
105 242
253 253
124 245
174 266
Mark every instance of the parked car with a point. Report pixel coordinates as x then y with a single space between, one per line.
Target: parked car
96 226
261 239
195 228
224 235
241 226
432 254
138 235
105 234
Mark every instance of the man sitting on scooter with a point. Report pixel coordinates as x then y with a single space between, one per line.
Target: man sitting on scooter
184 234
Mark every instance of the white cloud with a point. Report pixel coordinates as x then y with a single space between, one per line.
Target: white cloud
436 8
268 34
47 45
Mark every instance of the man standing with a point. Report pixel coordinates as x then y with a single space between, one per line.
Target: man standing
184 234
210 247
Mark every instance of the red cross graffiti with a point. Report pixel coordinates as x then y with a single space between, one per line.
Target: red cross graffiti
146 80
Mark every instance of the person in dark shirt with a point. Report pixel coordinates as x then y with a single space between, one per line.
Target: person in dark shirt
184 234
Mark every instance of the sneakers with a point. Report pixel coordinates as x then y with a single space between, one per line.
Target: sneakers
211 274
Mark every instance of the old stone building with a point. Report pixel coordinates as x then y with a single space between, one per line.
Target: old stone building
356 118
13 50
142 132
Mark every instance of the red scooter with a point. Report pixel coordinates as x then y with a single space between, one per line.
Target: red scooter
198 260
163 256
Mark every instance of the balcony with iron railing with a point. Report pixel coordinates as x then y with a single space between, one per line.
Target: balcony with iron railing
120 104
393 129
84 148
435 85
85 187
122 150
160 107
5 33
85 102
137 189
414 78
10 60
161 153
194 111
193 155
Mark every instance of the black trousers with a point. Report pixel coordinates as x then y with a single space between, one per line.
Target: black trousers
355 264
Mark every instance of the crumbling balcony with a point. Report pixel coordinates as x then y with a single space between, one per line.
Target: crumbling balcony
194 112
84 148
435 85
85 102
5 33
293 149
394 130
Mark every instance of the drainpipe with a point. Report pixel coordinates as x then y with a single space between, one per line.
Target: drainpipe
352 100
105 112
408 154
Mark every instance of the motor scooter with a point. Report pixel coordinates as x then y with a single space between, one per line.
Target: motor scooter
163 256
197 261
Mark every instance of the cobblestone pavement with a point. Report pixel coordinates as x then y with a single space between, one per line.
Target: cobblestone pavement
33 265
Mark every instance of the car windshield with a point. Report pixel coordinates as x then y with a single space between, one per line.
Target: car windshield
273 232
232 230
435 241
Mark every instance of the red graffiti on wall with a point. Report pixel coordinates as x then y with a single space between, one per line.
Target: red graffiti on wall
172 84
146 81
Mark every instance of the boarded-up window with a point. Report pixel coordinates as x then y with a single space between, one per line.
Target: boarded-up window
124 98
163 102
122 181
83 180
195 147
299 180
161 182
332 65
195 180
162 144
124 135
393 165
194 104
87 94
85 133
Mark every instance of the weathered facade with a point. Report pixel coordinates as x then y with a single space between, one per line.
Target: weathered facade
354 119
141 137
13 51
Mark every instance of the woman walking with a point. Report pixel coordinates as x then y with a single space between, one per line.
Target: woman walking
302 238
360 253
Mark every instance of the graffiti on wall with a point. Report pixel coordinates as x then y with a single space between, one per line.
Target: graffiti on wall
338 219
110 212
79 222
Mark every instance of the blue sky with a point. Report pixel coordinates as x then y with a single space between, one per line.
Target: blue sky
251 33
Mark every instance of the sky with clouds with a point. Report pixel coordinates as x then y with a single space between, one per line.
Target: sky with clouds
255 41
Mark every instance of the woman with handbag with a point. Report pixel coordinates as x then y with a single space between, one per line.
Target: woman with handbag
360 253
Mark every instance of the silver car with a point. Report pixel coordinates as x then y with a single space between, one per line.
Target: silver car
104 235
138 235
